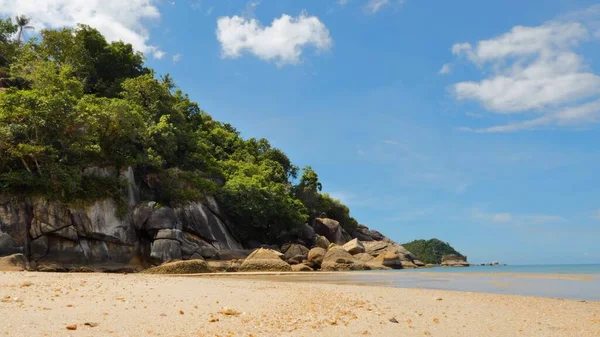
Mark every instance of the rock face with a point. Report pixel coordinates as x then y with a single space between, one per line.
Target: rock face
454 261
111 232
264 260
330 229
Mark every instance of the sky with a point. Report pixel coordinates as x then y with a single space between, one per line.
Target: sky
474 122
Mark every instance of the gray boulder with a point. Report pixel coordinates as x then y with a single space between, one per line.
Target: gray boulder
330 229
294 250
165 250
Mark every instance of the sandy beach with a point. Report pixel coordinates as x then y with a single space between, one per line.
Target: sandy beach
46 304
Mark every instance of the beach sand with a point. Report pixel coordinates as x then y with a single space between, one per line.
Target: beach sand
45 304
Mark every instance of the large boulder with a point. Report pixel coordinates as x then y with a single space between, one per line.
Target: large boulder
375 248
454 261
337 259
321 241
363 233
330 229
180 267
14 262
301 267
389 259
8 245
264 260
354 247
294 251
316 255
419 263
162 218
165 250
306 233
191 245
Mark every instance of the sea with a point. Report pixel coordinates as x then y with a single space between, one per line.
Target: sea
573 282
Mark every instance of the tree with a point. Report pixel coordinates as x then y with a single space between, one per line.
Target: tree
431 251
22 23
7 48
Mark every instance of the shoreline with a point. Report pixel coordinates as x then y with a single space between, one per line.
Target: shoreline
44 304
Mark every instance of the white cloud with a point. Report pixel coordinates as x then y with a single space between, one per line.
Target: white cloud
282 42
343 2
116 19
177 58
446 69
534 70
373 6
517 220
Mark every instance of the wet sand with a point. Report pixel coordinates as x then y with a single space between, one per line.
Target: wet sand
38 304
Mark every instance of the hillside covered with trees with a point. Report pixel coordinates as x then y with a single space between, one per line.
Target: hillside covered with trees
70 100
431 251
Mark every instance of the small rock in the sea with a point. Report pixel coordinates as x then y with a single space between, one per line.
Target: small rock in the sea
394 320
72 327
91 324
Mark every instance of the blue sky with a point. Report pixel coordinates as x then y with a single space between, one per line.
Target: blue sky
471 121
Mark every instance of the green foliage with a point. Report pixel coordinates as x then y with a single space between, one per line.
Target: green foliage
430 251
77 101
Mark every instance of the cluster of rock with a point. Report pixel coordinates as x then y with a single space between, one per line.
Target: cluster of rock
491 264
454 261
52 236
353 255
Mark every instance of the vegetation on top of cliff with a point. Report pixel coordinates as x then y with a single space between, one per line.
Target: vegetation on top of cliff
70 100
430 251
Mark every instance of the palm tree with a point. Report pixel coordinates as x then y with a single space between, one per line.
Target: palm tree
23 23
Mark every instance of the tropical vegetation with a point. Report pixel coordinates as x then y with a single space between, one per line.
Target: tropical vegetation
71 100
431 251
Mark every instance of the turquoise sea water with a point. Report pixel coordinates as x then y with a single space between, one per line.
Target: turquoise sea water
574 269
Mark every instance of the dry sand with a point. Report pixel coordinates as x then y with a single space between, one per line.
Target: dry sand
44 304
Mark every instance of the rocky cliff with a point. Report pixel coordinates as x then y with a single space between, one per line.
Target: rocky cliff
111 234
103 234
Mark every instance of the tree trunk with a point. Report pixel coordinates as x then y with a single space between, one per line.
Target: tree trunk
26 166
